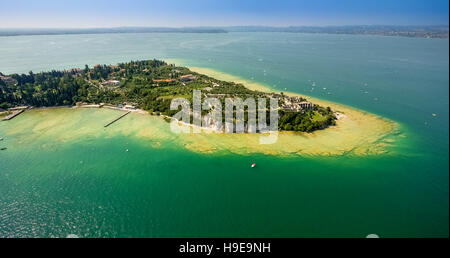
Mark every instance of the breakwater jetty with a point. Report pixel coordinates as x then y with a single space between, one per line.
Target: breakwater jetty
13 114
117 119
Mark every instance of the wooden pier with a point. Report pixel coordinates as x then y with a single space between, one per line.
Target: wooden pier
13 114
117 119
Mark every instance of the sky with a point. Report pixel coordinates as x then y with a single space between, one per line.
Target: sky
185 13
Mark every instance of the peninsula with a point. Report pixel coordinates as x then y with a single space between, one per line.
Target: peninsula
149 85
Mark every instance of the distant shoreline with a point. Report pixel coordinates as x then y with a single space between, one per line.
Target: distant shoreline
38 32
432 31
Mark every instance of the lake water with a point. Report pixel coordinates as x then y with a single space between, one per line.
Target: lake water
88 187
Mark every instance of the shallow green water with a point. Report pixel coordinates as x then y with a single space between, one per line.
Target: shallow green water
90 187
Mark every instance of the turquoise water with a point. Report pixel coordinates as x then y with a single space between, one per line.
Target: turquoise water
47 192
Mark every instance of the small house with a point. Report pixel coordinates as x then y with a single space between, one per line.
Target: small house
114 83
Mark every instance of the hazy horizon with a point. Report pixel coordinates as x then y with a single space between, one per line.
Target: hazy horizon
85 14
234 26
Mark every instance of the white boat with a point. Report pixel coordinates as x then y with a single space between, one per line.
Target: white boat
253 165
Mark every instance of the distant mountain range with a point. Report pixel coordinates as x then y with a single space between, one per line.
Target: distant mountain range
385 30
